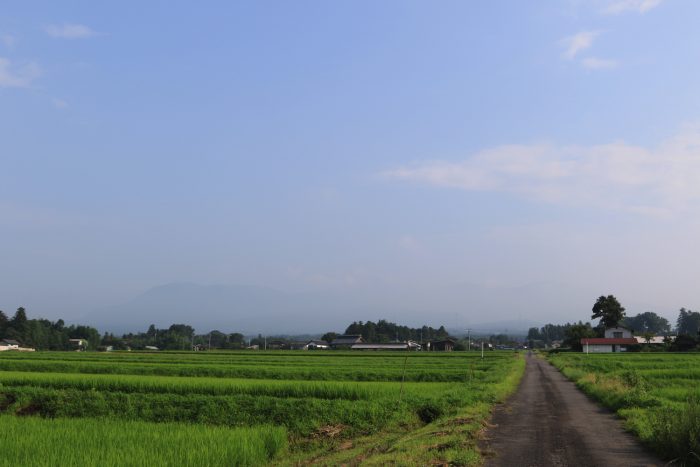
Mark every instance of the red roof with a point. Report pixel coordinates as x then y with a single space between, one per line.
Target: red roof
609 341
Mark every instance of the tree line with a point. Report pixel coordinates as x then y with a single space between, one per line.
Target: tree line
384 331
43 334
611 313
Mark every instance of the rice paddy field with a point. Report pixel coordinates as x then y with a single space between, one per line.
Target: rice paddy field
658 395
249 408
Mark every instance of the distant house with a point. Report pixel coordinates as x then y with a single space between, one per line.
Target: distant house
8 344
445 345
346 341
655 340
297 345
78 344
253 347
317 345
153 347
277 345
410 345
616 339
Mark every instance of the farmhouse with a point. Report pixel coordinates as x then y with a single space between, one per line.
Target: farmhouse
410 345
277 345
616 339
445 345
317 345
8 344
78 344
346 341
655 340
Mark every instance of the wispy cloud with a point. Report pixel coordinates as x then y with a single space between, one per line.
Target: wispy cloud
59 103
8 40
12 76
578 43
70 31
623 6
662 181
595 63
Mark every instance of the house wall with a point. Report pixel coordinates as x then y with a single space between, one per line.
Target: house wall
610 332
598 348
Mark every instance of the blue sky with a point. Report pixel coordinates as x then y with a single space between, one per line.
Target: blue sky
384 150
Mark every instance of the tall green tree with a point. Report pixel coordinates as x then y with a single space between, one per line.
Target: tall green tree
688 322
4 323
648 322
608 310
576 332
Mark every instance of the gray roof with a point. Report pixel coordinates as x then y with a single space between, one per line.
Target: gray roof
347 340
10 342
380 346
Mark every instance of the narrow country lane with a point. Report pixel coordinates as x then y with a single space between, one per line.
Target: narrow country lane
549 422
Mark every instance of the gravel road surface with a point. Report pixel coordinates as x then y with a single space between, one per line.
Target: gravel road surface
549 422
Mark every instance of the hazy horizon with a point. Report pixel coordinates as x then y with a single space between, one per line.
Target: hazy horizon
450 163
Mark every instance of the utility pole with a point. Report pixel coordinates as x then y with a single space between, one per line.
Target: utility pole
482 350
265 342
210 340
469 339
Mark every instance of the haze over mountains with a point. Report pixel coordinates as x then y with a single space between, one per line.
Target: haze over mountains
254 309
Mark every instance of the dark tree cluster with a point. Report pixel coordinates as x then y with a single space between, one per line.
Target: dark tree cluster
688 322
647 323
569 334
43 334
384 331
176 337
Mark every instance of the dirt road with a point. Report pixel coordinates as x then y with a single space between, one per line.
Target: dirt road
549 422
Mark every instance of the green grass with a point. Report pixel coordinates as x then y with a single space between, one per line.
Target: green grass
657 394
321 400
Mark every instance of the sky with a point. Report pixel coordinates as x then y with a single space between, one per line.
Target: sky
404 152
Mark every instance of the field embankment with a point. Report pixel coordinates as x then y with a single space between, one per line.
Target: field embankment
658 395
259 407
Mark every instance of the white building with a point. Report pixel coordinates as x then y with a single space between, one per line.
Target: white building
616 339
8 344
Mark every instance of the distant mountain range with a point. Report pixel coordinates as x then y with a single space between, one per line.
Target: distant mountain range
253 309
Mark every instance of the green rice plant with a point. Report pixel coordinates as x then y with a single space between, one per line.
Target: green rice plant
353 394
32 441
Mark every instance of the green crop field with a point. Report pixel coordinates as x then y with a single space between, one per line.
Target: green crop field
248 408
658 395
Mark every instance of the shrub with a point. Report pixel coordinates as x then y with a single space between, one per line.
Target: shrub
676 433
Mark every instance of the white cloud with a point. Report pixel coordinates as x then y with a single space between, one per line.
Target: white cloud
59 103
17 76
70 31
578 43
595 63
623 6
660 182
8 40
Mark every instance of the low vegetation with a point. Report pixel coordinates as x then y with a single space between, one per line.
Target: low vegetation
657 394
325 407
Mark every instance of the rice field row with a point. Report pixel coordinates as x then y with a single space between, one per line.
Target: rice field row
250 365
46 443
318 400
